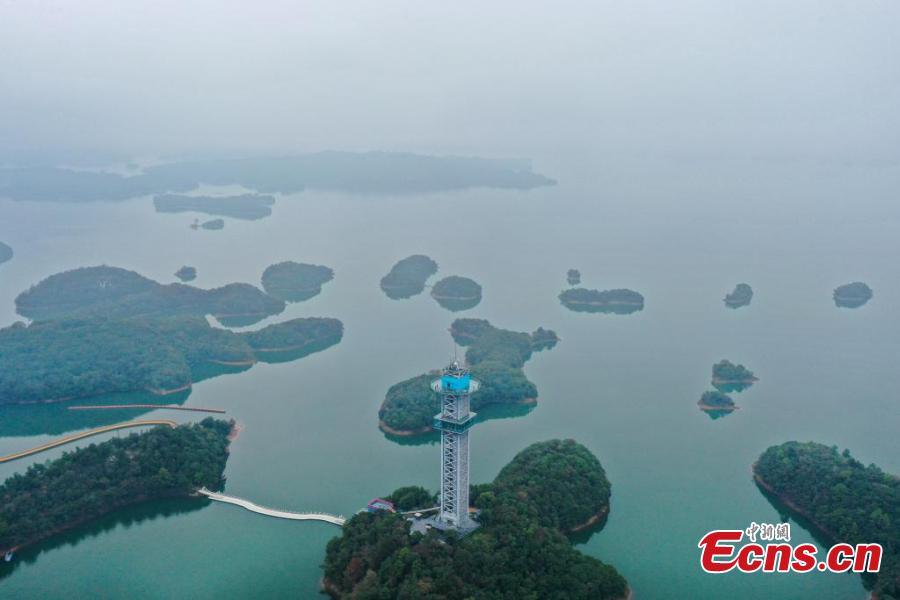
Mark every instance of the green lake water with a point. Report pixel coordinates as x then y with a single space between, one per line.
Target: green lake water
625 386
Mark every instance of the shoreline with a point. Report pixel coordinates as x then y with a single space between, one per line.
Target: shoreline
749 381
384 427
155 392
789 503
236 429
593 520
83 521
707 407
456 297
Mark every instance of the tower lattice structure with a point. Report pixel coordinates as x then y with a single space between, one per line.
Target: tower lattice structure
454 421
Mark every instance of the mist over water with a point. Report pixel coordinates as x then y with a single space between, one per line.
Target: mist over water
694 146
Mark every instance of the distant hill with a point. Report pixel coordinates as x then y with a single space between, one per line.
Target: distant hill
358 172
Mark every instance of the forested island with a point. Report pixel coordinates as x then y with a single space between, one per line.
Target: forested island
844 500
92 481
621 301
852 295
213 225
295 282
114 292
456 293
186 273
496 357
249 207
741 296
573 276
727 376
6 253
359 172
520 550
715 401
56 360
407 278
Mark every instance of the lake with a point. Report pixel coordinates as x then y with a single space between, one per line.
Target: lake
683 234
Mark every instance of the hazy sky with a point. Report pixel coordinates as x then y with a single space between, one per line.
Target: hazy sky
795 78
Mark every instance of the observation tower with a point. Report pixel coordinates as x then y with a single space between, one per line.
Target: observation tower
455 386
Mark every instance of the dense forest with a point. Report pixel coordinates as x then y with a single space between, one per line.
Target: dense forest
518 552
295 282
6 253
79 357
114 292
495 356
847 500
852 295
407 278
249 207
740 296
100 478
619 301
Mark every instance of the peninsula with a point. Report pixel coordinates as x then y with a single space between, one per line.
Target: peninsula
64 359
97 479
741 296
520 550
852 295
619 301
249 207
496 357
844 500
407 278
456 293
114 292
295 282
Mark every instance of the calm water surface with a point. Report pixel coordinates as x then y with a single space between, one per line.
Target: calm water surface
625 386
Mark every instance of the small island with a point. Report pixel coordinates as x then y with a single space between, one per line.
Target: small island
520 550
407 278
496 357
842 499
95 480
456 293
249 207
715 401
295 282
727 376
213 225
573 276
852 295
620 302
741 296
64 359
114 292
186 273
6 253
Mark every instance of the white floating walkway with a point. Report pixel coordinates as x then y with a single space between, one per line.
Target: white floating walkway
271 512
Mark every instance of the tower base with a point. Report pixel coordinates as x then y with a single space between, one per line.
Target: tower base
462 529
